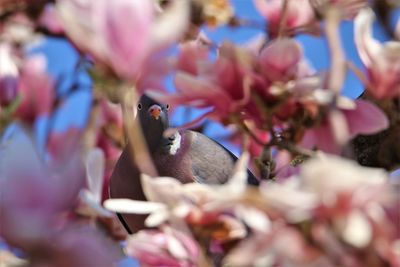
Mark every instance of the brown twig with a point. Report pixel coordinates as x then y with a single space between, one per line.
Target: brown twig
136 143
282 22
338 60
360 75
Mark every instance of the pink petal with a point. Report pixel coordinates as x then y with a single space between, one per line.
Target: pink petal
269 9
279 60
82 21
36 89
322 138
191 53
199 91
299 12
366 118
127 39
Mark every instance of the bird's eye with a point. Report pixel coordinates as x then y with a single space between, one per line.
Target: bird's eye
167 106
139 106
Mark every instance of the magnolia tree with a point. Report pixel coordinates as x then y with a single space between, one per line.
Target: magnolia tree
326 196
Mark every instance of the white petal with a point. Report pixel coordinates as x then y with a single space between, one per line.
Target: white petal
339 127
124 205
332 174
368 48
323 97
7 63
176 248
254 218
157 218
91 206
358 231
160 189
238 183
346 103
95 165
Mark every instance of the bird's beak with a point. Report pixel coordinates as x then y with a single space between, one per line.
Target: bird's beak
155 111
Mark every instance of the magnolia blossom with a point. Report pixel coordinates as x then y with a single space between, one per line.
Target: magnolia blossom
339 126
279 60
64 248
38 201
35 88
355 204
381 60
223 85
61 145
344 205
299 13
34 195
281 246
165 247
229 85
334 174
123 45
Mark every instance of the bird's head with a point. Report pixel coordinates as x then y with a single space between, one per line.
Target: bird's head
153 118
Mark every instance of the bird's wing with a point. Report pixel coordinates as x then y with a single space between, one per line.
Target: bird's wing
211 163
125 183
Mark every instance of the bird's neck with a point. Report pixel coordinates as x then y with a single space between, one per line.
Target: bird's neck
171 146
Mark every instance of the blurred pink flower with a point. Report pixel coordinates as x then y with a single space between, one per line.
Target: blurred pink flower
34 194
35 88
338 127
281 246
165 247
49 20
76 245
124 45
8 75
61 145
192 55
381 60
279 60
299 13
351 196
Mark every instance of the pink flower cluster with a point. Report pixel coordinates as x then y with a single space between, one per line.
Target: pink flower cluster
332 213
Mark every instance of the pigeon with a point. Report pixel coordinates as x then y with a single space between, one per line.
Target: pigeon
187 155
